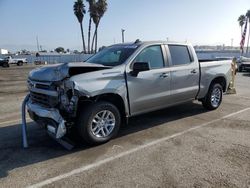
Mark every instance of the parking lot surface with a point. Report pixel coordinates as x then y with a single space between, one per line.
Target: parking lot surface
181 146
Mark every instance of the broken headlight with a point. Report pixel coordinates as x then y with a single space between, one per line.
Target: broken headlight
67 97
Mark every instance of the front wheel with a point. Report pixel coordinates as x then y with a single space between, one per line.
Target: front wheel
99 122
6 64
214 97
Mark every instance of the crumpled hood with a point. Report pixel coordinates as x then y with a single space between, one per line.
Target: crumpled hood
58 72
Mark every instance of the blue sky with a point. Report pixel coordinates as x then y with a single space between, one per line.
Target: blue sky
197 21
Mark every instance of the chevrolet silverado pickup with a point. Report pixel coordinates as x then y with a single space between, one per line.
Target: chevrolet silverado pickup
123 80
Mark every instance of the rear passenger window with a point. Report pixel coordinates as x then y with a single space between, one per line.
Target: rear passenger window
179 54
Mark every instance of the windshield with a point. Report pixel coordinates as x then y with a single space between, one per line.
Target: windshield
113 56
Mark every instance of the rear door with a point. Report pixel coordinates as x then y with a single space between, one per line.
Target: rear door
150 90
184 73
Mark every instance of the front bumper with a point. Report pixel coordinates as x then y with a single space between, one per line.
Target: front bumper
36 111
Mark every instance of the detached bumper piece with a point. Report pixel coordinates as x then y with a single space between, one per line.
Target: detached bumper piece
55 123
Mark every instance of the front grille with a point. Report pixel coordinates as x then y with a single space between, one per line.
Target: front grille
40 85
44 100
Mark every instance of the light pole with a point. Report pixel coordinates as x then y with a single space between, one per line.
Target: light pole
123 30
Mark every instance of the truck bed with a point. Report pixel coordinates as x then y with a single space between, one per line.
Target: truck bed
210 68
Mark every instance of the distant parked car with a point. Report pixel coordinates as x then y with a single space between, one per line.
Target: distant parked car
243 64
4 63
17 61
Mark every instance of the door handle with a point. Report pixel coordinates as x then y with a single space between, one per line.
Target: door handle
193 71
164 75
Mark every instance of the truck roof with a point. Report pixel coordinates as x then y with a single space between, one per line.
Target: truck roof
139 43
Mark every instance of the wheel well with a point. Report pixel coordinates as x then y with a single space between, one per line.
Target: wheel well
220 80
115 99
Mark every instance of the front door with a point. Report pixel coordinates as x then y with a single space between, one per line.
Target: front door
149 90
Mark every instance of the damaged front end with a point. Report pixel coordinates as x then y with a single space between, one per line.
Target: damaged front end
53 105
53 97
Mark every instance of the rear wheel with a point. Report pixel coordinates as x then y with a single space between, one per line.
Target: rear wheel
214 97
19 63
99 122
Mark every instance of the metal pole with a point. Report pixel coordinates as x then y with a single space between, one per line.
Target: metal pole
24 125
37 43
123 30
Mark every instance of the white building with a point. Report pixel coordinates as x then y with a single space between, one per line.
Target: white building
3 51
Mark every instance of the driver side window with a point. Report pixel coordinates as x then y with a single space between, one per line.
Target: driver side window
152 55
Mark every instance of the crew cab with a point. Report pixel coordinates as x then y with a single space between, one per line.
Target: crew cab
17 61
121 81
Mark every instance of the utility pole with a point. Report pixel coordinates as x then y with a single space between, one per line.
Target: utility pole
123 30
37 43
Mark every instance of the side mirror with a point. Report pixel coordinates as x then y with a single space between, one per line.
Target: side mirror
139 67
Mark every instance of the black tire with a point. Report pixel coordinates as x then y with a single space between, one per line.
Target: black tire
6 64
208 100
85 121
19 63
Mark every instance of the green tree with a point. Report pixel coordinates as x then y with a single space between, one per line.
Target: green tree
248 16
59 50
99 8
91 13
241 21
79 11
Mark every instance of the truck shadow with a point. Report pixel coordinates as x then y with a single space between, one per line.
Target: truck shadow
43 148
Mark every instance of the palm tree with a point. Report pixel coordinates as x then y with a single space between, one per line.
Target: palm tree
79 11
241 21
91 13
248 16
100 8
96 21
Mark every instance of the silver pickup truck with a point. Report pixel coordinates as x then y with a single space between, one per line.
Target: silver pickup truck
121 81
